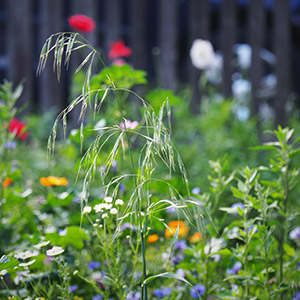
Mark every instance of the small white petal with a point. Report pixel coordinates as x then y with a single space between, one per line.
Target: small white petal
86 210
55 251
108 199
104 216
113 211
119 202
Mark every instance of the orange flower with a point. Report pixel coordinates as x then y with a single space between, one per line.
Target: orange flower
152 238
182 231
7 181
53 181
196 237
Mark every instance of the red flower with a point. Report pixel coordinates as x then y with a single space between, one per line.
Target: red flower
82 23
17 128
118 49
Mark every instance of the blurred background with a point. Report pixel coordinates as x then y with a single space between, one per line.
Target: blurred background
258 43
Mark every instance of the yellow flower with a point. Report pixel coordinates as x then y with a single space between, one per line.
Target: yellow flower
77 298
183 230
196 237
152 238
53 181
7 181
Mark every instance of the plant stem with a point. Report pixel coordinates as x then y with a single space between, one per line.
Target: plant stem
283 231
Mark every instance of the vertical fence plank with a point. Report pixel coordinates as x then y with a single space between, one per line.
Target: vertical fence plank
50 90
199 29
228 39
138 34
20 51
168 17
112 19
256 41
282 47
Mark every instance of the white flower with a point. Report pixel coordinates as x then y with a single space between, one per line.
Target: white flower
102 206
26 254
21 276
108 199
27 264
244 53
202 54
86 210
119 202
55 251
41 244
214 245
113 211
105 216
3 272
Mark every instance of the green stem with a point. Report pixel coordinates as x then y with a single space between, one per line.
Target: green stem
283 231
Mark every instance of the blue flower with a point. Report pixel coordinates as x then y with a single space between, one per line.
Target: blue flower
97 297
180 245
296 297
235 207
73 288
167 291
9 145
158 293
94 265
295 234
237 266
197 290
196 190
171 210
133 296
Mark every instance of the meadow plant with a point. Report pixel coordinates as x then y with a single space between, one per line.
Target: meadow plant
153 139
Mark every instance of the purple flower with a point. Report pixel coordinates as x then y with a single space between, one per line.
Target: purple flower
180 245
94 265
196 190
9 145
122 187
73 288
197 290
177 259
180 273
135 296
295 234
237 266
167 291
296 297
171 210
158 293
126 225
235 207
97 297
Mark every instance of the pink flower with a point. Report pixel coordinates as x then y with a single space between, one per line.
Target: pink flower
129 125
82 23
17 128
119 62
118 49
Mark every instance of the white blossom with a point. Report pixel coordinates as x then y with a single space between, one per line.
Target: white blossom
27 264
86 210
42 244
108 199
113 211
26 254
202 54
119 202
56 250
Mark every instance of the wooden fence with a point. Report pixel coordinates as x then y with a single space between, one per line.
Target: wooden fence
160 33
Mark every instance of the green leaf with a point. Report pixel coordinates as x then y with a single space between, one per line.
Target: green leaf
289 250
157 97
7 262
237 193
63 199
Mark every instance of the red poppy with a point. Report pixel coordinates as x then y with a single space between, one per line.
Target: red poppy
17 128
82 23
118 49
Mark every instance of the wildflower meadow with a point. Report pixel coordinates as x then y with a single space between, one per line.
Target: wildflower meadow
142 198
